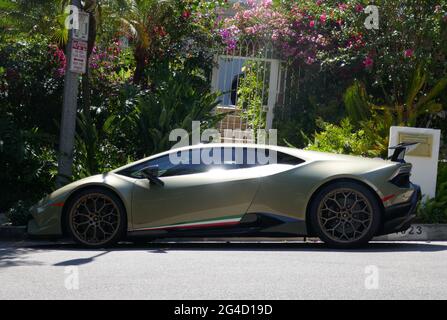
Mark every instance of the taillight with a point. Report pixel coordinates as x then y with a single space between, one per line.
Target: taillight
401 178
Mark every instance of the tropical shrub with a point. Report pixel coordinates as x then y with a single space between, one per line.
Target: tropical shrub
403 112
169 30
32 82
344 139
30 100
19 214
250 97
27 164
435 210
143 120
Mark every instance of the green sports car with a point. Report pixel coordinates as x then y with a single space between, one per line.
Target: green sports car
230 190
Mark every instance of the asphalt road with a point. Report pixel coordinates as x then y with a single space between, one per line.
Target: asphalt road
223 271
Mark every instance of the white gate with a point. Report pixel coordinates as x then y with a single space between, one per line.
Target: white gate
248 75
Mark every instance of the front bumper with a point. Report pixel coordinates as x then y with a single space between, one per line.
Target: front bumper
399 217
46 221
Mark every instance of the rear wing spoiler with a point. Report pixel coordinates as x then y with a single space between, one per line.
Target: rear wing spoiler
399 151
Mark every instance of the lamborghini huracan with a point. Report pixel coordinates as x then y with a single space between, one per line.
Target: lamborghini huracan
229 190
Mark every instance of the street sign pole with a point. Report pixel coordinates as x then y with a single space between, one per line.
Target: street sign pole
68 118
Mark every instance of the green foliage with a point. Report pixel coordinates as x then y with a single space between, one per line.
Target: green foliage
27 164
344 139
31 85
94 152
251 94
19 214
30 100
435 210
173 30
375 120
327 46
143 120
356 102
24 17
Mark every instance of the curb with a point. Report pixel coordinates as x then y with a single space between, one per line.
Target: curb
13 232
418 232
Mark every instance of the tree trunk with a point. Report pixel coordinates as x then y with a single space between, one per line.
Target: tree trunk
140 61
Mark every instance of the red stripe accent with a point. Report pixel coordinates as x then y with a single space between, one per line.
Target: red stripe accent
388 197
205 225
57 204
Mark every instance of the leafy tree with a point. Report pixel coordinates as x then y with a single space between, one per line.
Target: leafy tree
45 17
143 121
417 101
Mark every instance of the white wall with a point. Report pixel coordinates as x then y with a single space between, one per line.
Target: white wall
425 168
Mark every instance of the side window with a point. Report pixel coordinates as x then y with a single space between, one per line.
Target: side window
188 162
284 158
254 157
246 157
205 159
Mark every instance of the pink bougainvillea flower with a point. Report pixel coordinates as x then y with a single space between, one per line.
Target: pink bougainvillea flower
59 60
249 30
368 62
323 18
319 2
310 60
225 34
408 53
312 23
186 14
251 3
358 7
342 6
267 3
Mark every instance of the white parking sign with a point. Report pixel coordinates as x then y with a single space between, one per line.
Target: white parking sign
82 32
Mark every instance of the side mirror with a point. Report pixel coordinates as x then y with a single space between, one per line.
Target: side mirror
151 173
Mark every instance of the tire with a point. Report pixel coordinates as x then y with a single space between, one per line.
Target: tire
95 218
345 214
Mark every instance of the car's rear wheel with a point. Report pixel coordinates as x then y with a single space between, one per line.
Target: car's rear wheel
345 214
95 218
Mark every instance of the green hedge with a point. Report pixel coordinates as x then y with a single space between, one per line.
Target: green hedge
435 210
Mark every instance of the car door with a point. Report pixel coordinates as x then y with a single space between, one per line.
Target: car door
194 195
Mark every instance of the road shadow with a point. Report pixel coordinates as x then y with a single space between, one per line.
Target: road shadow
165 247
19 254
80 261
291 247
16 256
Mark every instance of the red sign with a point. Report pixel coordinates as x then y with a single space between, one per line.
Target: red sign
78 63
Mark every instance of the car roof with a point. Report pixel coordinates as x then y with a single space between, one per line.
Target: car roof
305 155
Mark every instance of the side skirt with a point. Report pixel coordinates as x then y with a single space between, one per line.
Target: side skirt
250 225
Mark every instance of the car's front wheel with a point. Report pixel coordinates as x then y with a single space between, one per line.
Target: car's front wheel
345 214
95 217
